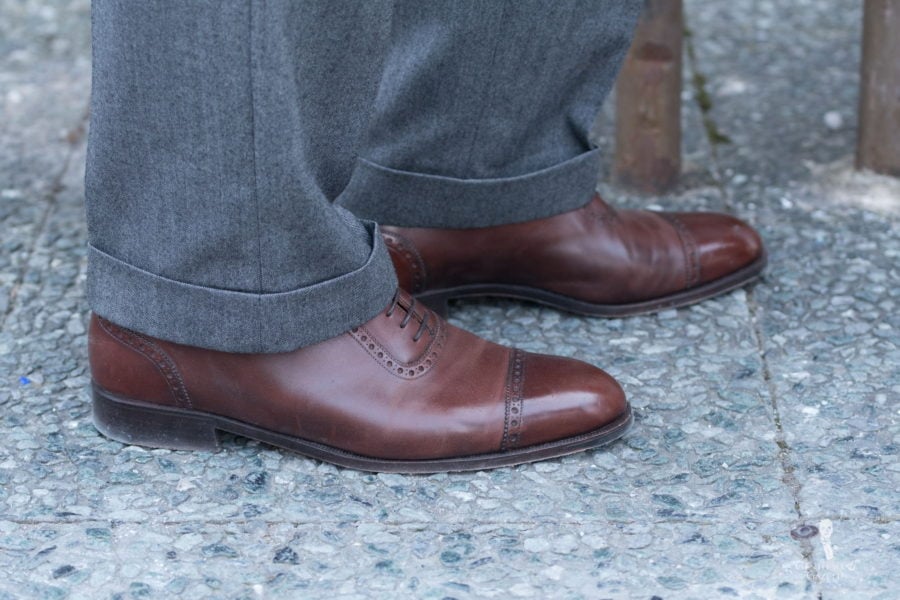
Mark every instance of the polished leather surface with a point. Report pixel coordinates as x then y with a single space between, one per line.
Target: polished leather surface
596 253
405 385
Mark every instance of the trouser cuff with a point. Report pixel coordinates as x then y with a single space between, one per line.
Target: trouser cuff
408 199
234 321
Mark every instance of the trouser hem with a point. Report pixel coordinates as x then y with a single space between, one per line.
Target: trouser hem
409 199
235 321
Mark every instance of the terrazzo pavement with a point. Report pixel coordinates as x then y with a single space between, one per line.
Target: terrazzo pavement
763 463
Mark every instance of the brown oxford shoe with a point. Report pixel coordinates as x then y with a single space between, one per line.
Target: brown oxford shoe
594 260
404 392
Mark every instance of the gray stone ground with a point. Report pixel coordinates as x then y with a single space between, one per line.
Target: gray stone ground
761 415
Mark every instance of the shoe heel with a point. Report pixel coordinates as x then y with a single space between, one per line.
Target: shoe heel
142 424
438 303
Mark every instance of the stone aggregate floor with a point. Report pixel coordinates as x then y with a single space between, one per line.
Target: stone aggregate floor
763 464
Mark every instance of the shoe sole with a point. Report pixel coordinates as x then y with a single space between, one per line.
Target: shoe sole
437 300
144 424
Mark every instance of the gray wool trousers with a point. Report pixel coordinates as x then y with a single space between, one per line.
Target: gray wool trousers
241 152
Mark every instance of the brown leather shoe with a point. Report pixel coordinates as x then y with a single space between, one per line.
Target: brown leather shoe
594 260
405 392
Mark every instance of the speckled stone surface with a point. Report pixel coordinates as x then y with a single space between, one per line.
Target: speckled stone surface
763 463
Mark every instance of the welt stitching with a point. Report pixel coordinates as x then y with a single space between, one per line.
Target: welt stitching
689 247
172 367
404 370
413 259
157 357
513 399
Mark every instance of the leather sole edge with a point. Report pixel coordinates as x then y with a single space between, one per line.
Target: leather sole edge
437 300
144 424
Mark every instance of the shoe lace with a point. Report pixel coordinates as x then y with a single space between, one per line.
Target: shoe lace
410 315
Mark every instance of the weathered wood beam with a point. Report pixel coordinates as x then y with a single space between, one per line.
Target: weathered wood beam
648 101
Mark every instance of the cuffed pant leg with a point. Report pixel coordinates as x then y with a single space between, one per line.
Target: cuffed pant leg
219 136
484 108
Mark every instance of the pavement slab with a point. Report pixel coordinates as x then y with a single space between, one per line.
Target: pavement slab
255 558
826 314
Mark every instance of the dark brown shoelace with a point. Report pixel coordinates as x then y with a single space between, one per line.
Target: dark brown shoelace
410 314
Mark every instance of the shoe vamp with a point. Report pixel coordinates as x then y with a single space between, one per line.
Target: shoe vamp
337 393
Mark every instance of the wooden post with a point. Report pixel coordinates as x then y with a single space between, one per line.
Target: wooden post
878 145
648 101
